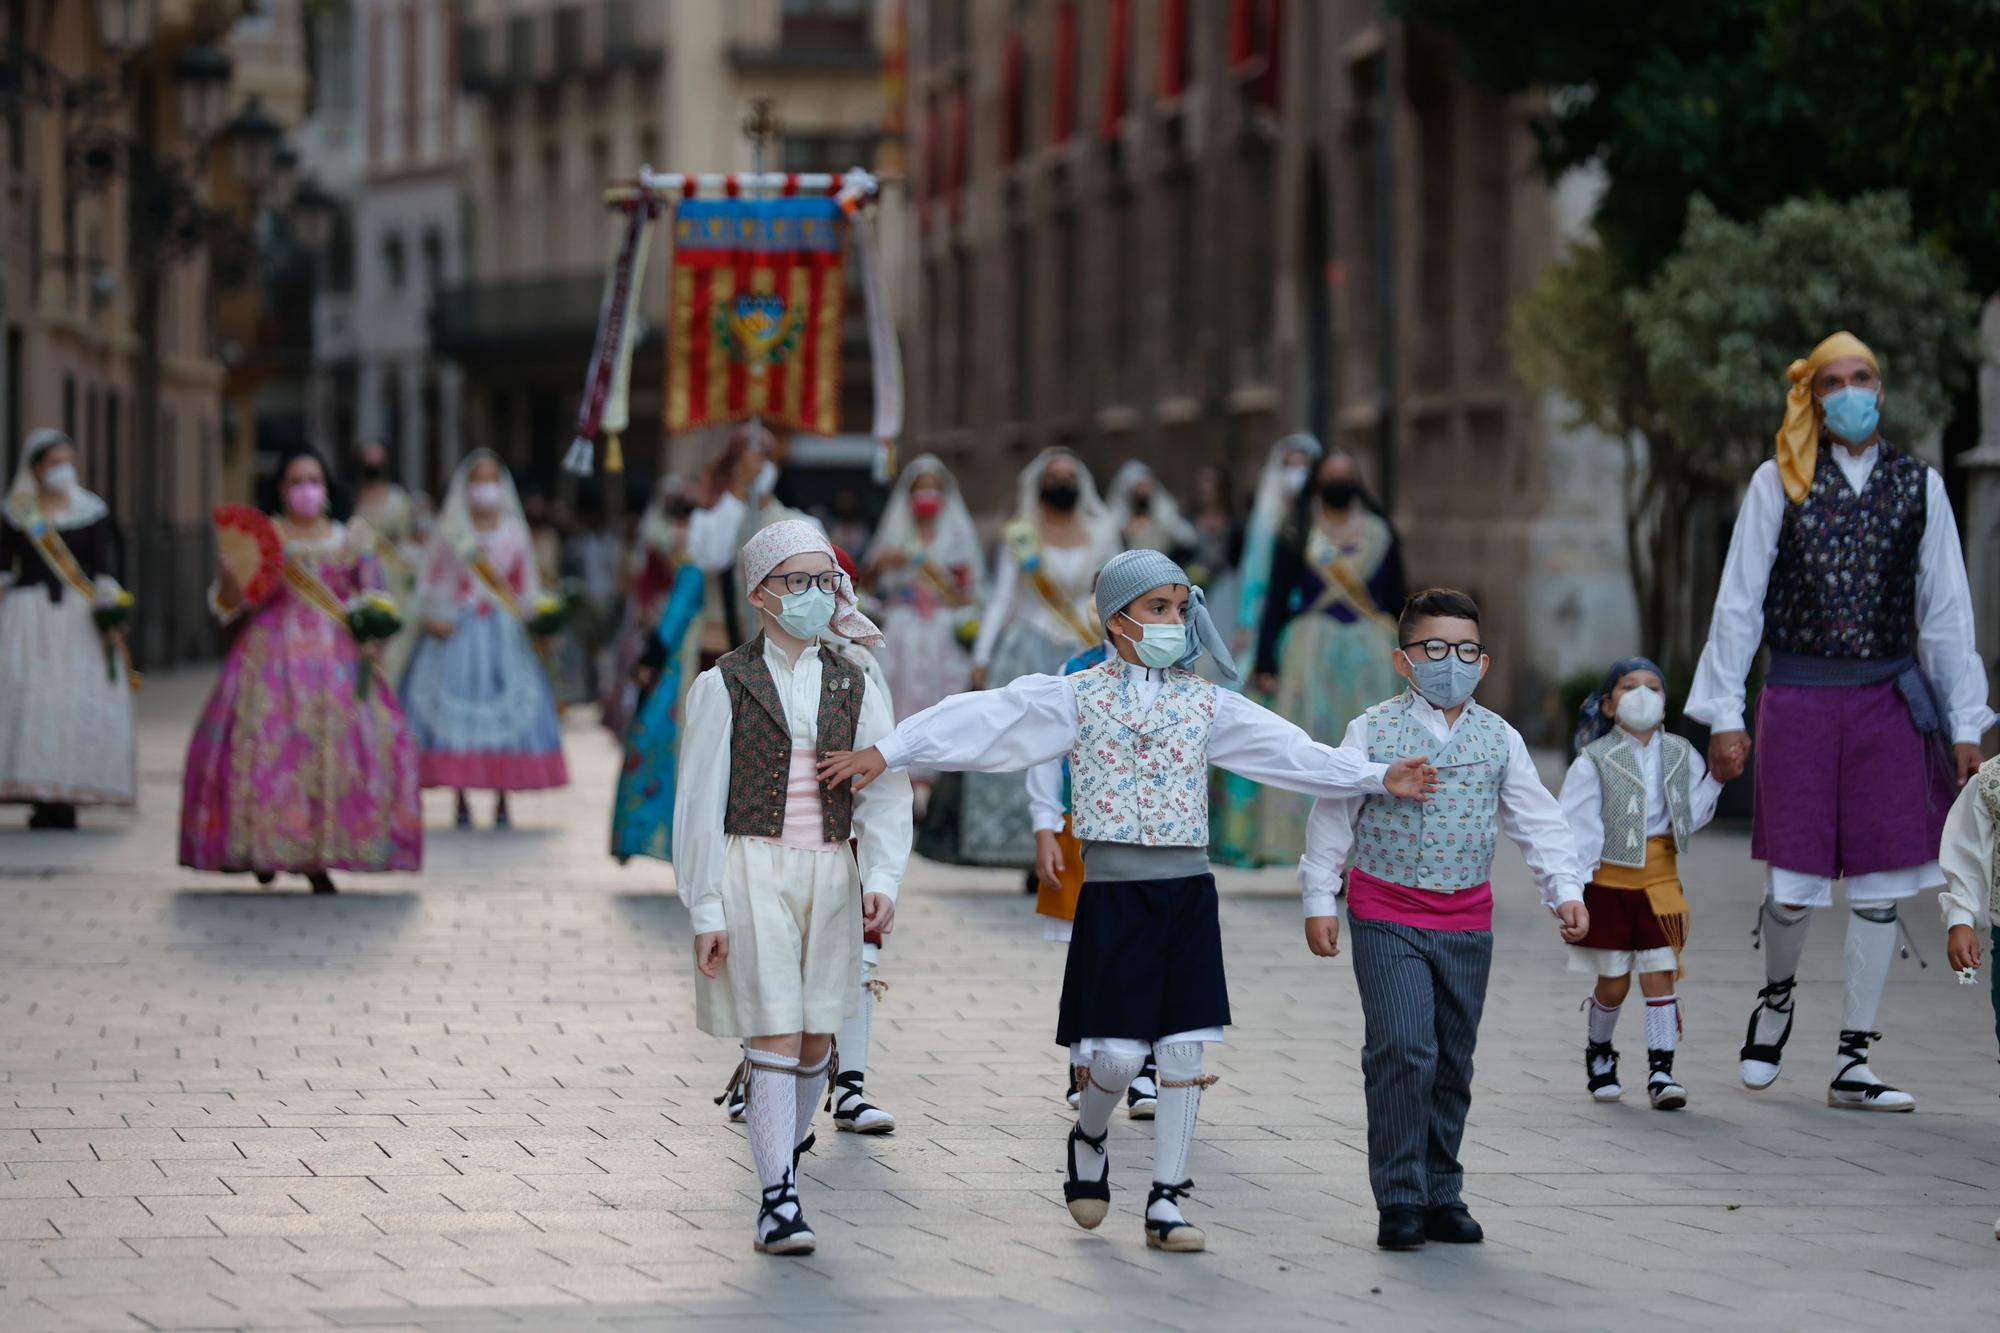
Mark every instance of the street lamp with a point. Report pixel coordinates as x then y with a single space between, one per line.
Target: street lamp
202 74
314 213
253 136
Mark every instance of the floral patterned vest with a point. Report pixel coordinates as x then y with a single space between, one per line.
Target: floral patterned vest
1989 792
1447 843
1627 805
1844 584
1141 778
760 742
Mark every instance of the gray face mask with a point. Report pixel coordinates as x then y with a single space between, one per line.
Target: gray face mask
1446 684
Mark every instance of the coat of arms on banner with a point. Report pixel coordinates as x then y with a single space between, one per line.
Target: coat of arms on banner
753 323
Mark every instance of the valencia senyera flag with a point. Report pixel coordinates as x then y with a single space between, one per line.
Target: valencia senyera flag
753 321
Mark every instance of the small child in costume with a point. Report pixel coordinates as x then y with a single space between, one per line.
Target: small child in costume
777 899
1970 857
1633 798
1059 872
1145 970
1420 892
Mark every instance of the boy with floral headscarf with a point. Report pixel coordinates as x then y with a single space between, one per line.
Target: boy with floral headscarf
761 848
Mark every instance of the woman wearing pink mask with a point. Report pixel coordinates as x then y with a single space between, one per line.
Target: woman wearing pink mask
292 768
925 566
479 700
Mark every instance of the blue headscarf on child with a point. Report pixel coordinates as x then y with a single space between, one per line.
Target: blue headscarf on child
1125 578
1596 720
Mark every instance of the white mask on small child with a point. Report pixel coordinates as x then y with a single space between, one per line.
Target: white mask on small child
1642 709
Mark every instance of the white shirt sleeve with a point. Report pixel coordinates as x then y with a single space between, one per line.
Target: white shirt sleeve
712 533
700 796
1251 741
999 606
1583 809
1967 858
1330 838
1533 819
1704 793
1945 644
883 809
1045 803
1028 721
1736 630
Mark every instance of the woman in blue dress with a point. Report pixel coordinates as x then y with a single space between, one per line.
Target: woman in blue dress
642 815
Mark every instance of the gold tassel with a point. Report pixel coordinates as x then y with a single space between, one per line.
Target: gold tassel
614 457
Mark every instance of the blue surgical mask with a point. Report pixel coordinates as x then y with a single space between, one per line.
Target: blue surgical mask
1159 646
1852 414
805 614
1445 685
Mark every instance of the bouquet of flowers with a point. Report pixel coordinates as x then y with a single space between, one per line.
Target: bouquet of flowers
371 618
111 610
550 612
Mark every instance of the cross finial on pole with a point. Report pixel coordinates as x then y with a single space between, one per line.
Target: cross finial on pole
762 128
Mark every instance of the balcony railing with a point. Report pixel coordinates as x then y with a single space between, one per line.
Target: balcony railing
536 50
518 315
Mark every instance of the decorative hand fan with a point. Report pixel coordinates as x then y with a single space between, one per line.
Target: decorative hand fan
249 548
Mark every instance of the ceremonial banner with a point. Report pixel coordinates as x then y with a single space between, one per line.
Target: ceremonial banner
753 320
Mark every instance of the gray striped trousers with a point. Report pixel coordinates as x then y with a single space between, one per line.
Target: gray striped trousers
1421 993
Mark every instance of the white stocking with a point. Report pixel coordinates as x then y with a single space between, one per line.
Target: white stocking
1181 1083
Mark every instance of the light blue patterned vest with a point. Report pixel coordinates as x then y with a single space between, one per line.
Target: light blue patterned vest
1447 843
1141 777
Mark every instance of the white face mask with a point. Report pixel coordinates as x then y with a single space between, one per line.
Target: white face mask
1295 479
61 478
1642 709
485 496
766 480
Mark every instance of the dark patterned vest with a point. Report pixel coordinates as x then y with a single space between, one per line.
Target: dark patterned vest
760 743
1844 584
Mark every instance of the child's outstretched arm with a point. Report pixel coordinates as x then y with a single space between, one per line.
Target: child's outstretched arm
1253 742
882 820
1028 722
1533 819
1966 855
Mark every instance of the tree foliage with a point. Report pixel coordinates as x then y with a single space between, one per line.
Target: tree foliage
1740 301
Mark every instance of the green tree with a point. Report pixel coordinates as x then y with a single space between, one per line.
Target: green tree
1688 369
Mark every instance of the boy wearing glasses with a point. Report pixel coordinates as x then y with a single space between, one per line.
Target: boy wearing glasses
777 901
1419 891
1145 972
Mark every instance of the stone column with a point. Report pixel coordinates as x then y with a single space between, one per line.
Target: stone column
369 420
415 428
1982 497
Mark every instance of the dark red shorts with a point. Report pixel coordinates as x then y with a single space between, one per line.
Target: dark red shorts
1622 919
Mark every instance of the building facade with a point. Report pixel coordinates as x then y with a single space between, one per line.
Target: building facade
564 97
1182 230
385 139
105 328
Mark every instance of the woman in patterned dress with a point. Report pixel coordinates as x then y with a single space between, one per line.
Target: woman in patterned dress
291 768
1329 627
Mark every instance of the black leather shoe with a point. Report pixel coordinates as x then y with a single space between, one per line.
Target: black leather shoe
1401 1229
1452 1225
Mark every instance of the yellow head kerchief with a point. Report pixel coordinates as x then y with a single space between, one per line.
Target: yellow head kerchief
1798 438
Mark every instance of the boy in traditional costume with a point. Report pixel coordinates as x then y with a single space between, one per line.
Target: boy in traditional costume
777 900
1420 892
1145 967
1633 798
1844 562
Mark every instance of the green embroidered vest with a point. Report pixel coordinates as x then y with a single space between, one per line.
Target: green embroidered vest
1989 792
1627 805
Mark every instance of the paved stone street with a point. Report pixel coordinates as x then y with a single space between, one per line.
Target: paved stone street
476 1098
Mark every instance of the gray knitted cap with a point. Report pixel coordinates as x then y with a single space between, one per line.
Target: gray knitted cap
1128 577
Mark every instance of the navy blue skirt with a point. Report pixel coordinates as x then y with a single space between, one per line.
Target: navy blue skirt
1145 961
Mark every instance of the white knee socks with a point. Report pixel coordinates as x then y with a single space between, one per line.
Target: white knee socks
772 1115
1663 1022
1102 1091
1871 947
812 1087
1602 1020
1173 1124
1784 940
858 1027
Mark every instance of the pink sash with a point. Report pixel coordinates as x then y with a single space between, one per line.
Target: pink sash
1372 899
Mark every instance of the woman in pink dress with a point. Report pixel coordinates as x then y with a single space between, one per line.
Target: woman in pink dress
291 768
